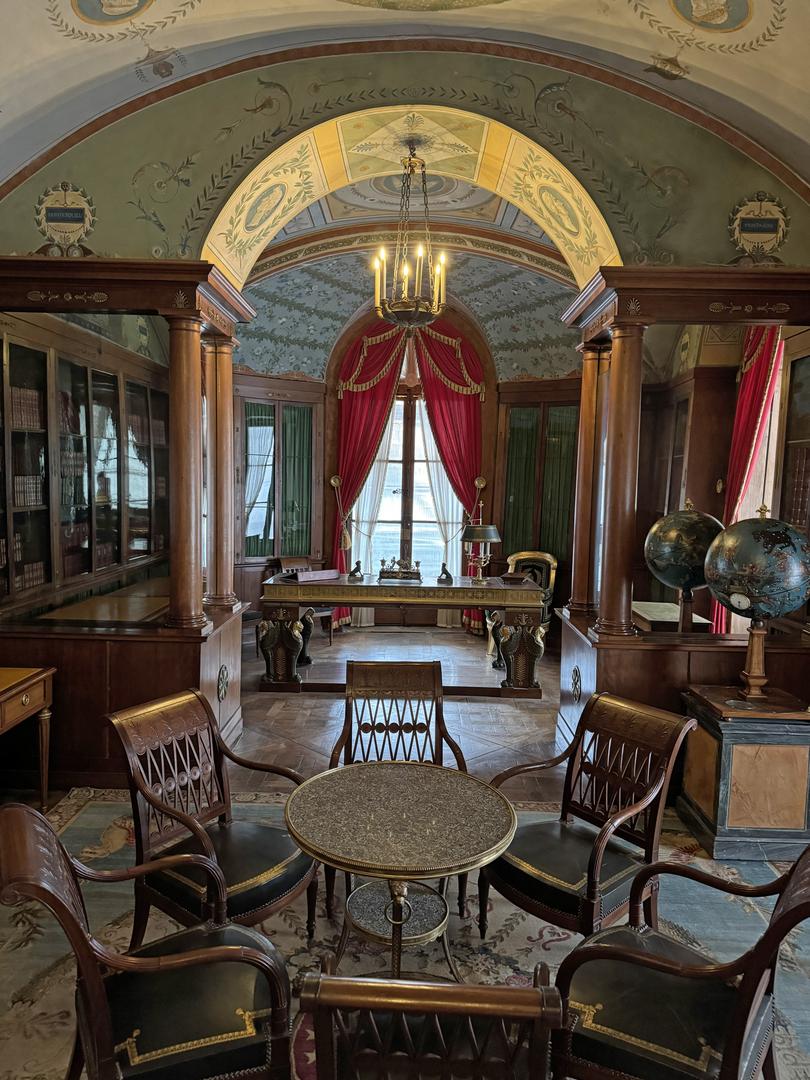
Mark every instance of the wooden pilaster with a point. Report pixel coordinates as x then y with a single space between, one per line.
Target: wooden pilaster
582 596
221 495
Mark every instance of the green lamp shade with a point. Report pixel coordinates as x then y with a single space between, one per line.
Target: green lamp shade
480 534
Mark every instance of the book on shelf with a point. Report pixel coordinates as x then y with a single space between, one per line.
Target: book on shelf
159 432
3 551
28 490
33 574
138 427
161 487
27 407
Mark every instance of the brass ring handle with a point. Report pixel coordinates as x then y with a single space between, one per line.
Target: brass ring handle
407 911
26 699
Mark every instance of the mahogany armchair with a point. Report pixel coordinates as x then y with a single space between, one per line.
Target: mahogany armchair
394 712
642 1005
179 786
209 1001
396 1029
576 872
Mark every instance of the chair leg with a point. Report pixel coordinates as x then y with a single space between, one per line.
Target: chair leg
329 875
140 918
462 895
651 910
483 901
76 1059
312 900
770 1070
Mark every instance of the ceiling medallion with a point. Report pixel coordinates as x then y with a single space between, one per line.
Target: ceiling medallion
410 303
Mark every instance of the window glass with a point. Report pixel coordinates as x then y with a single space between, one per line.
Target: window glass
259 487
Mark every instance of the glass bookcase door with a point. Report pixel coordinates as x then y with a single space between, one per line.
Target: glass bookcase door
30 554
160 452
105 456
4 545
74 470
296 479
139 472
260 500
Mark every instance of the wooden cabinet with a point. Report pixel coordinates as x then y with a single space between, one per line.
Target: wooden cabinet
83 441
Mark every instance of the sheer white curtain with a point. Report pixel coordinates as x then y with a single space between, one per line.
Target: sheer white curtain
364 516
446 505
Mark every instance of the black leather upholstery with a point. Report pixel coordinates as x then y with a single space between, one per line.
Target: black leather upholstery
548 862
163 1030
654 1026
260 863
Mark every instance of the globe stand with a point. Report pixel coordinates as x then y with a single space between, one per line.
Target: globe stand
685 612
753 674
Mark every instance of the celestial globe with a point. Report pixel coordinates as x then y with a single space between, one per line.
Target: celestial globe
676 546
759 568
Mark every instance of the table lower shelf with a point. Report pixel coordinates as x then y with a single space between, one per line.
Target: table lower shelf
367 905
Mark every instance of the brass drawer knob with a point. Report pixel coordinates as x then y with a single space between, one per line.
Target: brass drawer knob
26 699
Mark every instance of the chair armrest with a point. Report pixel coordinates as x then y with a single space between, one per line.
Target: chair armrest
609 828
585 954
455 750
270 966
736 888
217 895
193 826
258 766
532 766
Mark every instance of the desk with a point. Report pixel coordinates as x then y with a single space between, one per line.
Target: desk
23 692
395 821
288 613
652 617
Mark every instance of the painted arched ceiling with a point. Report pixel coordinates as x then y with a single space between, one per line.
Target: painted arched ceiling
301 312
67 61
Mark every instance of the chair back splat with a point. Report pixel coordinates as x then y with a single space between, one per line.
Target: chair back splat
621 749
394 713
172 750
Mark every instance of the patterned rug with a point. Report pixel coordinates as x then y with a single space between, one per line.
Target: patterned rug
36 974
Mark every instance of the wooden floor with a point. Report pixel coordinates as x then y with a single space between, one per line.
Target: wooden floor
299 730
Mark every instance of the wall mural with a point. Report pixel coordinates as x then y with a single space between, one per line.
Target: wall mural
659 182
454 143
422 5
302 311
100 21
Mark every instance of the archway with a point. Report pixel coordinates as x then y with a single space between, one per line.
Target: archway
367 144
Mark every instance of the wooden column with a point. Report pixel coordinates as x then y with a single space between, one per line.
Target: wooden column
581 583
621 481
221 496
209 387
185 473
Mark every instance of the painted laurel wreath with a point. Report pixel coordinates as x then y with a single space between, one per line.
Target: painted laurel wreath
766 36
55 9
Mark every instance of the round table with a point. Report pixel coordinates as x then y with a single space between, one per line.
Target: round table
397 821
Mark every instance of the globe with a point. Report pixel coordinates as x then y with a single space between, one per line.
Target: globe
676 546
759 568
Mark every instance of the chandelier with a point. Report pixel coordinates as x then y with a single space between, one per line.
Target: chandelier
415 294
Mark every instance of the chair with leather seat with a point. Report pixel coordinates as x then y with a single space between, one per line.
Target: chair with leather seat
643 1006
181 803
394 712
208 1001
576 872
393 1029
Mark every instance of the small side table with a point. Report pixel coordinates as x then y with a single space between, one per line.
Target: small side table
23 693
746 782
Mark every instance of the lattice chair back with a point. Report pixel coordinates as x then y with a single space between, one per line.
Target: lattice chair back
34 866
621 749
541 568
172 751
394 713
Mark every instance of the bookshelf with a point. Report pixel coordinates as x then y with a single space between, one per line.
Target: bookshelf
85 463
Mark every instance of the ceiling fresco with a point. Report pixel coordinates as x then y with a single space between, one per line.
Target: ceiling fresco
663 186
742 61
301 313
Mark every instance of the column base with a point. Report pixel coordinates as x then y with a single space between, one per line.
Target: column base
228 601
608 628
187 622
580 608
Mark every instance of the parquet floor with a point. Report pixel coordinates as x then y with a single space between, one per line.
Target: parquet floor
299 730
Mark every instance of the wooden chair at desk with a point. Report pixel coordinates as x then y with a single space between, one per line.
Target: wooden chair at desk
576 872
291 564
394 712
387 1029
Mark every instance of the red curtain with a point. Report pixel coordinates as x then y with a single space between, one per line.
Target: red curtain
367 384
452 379
761 364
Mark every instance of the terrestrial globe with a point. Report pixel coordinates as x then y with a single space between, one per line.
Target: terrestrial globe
676 546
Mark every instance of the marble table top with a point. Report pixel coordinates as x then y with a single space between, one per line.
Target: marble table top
400 820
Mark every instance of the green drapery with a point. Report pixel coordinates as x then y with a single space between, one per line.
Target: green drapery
521 465
296 479
560 452
260 421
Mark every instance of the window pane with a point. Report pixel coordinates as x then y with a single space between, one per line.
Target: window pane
423 509
74 471
428 549
391 505
259 478
105 468
296 479
139 471
384 544
397 421
521 464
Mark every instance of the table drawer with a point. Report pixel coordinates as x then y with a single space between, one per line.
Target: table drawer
22 704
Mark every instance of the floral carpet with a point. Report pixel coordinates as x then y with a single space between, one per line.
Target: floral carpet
36 972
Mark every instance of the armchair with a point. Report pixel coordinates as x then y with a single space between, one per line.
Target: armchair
381 1029
577 872
179 786
140 1012
539 567
642 1005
